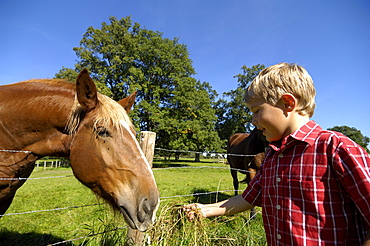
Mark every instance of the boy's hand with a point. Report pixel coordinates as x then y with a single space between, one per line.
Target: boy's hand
193 211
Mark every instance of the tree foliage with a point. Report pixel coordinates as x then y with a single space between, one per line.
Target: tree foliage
232 113
353 134
122 57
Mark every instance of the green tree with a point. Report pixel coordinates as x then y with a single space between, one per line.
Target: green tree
232 113
353 134
123 57
71 75
192 120
67 73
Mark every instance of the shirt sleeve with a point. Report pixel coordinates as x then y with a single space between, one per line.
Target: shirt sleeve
252 194
352 165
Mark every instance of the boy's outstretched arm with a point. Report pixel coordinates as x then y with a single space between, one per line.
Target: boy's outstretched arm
230 206
367 239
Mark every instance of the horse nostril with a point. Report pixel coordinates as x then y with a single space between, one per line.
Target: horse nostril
142 211
145 210
147 207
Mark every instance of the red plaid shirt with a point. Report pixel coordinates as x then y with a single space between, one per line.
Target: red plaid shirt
314 189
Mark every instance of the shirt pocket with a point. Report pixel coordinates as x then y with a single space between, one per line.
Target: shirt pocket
306 195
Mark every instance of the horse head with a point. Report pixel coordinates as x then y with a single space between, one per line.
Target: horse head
106 157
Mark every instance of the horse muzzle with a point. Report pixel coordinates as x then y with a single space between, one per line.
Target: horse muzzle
142 216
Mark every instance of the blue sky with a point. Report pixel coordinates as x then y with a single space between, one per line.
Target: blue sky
331 39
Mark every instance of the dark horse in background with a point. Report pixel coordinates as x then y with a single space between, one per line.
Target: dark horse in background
245 153
56 118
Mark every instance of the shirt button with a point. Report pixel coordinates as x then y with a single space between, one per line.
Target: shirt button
280 155
278 236
278 179
278 207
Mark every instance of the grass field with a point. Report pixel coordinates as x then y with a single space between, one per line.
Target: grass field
89 218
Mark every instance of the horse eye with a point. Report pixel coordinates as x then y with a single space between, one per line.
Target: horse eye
102 132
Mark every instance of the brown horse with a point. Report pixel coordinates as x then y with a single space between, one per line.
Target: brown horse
245 153
57 118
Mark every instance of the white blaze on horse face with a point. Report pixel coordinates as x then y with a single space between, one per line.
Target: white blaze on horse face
127 127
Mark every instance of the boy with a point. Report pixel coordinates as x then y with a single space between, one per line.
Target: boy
314 185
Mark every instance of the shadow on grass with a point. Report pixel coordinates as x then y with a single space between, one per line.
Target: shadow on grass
170 163
161 163
12 238
203 196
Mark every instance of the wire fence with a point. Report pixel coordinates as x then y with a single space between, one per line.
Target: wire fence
118 228
253 216
96 204
15 151
90 205
159 168
203 153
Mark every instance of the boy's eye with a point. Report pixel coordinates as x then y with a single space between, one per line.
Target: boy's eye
255 112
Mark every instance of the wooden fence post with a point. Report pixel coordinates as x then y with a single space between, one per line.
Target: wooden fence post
147 144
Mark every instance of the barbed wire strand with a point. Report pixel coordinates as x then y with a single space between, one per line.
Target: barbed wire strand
160 149
51 177
49 210
121 228
15 151
154 169
90 205
198 152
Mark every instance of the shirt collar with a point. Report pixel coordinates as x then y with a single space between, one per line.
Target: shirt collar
307 133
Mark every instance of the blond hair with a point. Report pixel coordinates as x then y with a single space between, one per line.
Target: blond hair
282 78
109 112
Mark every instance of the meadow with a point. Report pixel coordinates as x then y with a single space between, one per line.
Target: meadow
86 220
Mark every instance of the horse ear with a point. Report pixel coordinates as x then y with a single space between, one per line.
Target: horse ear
128 102
87 94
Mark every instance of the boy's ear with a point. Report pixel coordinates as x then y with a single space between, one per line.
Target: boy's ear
289 101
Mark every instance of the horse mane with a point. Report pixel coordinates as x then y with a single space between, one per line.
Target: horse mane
108 112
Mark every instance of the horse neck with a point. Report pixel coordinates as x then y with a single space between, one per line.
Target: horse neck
16 164
257 141
33 117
